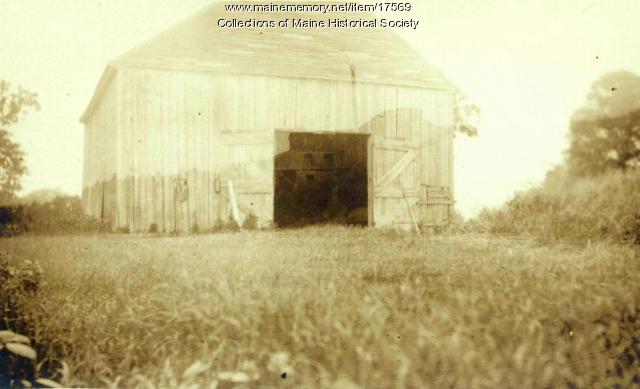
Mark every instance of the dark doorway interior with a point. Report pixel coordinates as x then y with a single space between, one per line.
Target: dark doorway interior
320 178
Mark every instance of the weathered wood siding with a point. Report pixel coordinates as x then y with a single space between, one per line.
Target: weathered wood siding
100 158
156 130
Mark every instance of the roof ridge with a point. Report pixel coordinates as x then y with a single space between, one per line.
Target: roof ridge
198 43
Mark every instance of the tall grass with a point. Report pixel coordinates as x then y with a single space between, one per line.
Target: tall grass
60 215
605 207
334 307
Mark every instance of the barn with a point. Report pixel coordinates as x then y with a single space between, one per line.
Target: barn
203 125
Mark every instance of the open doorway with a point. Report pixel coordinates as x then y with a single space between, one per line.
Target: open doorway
320 178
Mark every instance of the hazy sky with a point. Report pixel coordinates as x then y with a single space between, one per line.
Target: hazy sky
527 64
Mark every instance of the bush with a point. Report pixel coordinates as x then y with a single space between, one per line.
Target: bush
63 214
606 207
12 220
250 222
18 358
458 224
231 225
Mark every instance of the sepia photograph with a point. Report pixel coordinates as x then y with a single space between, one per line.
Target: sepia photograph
319 194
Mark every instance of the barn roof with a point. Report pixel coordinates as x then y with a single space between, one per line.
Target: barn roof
371 55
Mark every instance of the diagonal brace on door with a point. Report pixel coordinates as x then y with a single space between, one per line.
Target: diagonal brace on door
395 171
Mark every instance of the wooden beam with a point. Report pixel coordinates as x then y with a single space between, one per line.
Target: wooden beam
392 144
235 212
254 188
430 83
354 97
246 137
413 215
395 171
392 192
439 202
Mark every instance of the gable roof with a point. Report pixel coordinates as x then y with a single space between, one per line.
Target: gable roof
375 55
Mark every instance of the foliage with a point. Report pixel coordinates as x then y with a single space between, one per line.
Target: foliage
15 283
12 220
153 228
458 223
594 195
18 358
250 222
123 230
465 116
605 207
336 307
39 196
605 134
13 106
63 214
12 167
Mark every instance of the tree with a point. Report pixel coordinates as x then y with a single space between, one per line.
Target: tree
14 104
605 133
465 115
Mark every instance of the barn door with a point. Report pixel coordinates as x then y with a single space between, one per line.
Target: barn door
249 169
395 183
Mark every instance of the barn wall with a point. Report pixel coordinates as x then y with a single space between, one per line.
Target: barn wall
437 193
100 158
167 128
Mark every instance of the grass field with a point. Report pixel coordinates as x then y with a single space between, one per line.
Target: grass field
334 307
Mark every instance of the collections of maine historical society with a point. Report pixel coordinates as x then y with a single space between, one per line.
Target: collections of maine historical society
237 21
318 23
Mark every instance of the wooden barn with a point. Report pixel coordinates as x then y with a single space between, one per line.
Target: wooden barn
183 131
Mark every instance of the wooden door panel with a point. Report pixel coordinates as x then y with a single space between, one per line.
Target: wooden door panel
395 183
436 206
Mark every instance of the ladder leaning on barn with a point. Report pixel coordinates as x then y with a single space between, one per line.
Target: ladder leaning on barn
414 220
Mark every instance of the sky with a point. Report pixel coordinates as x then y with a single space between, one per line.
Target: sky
527 64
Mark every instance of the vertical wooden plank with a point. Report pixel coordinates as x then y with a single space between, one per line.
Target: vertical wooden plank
141 150
202 142
370 180
177 132
86 167
156 135
170 155
391 107
120 173
125 150
451 149
212 130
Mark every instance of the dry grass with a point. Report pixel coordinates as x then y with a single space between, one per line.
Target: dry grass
335 307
